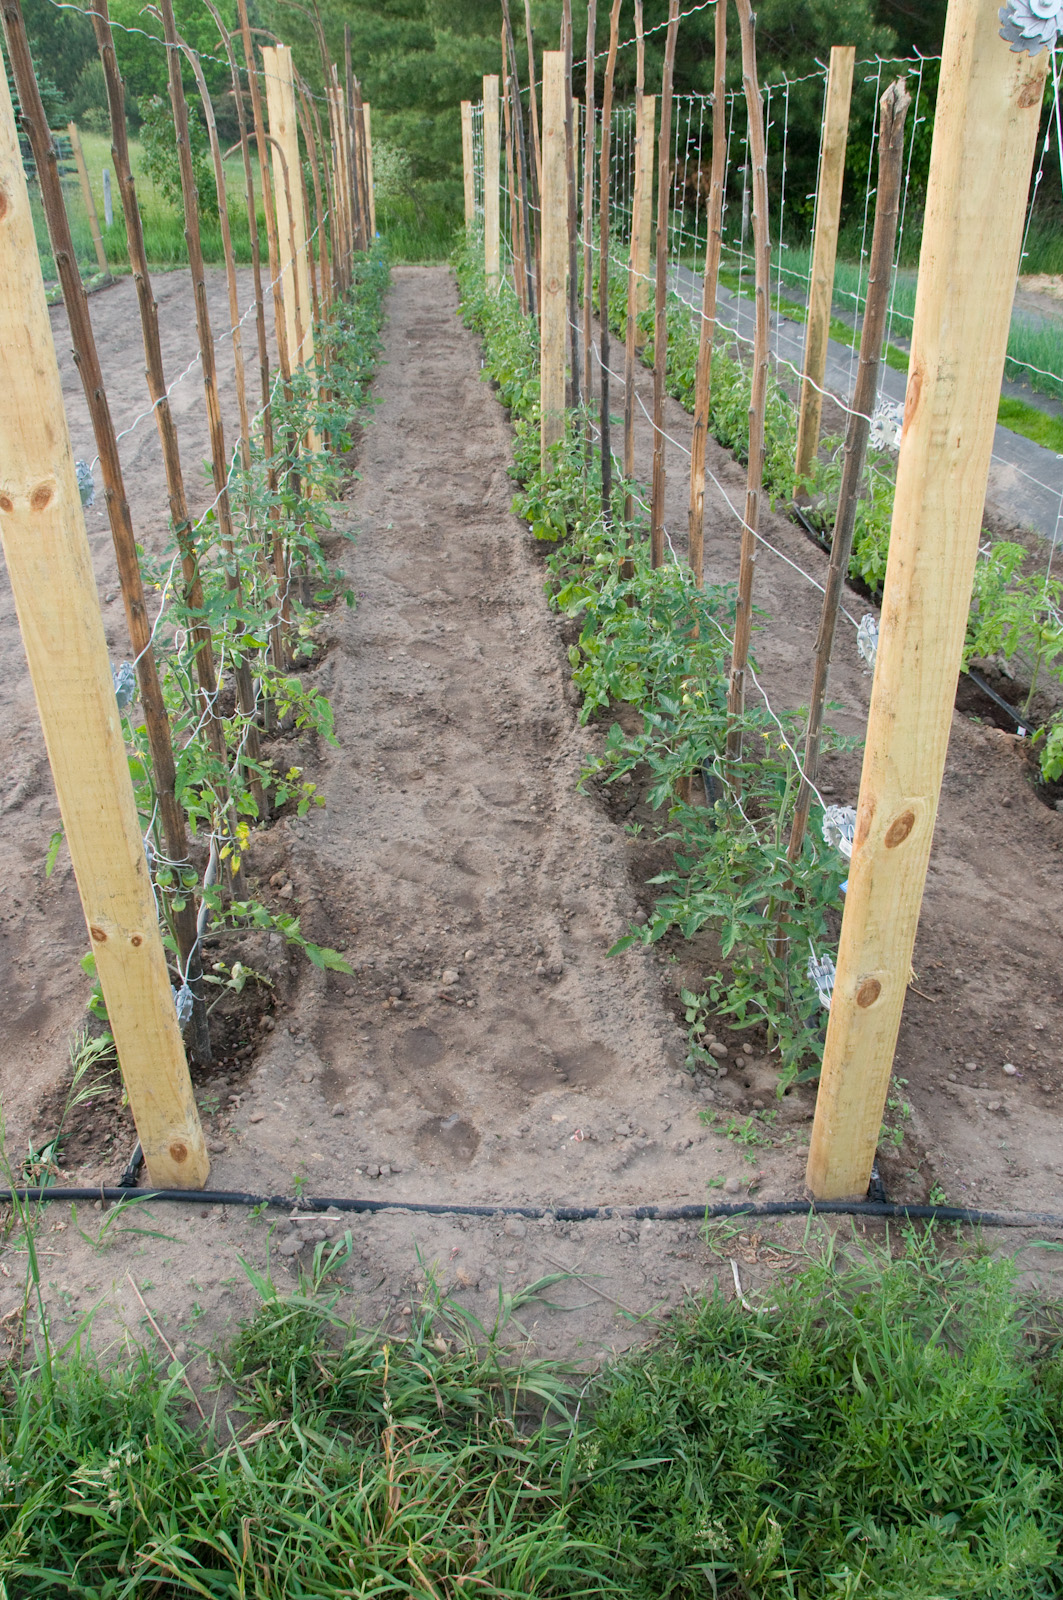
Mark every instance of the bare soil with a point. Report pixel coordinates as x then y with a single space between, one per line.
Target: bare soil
485 1049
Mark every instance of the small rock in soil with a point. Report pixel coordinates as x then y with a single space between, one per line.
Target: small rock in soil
718 1050
339 1111
516 1228
732 1186
1011 1069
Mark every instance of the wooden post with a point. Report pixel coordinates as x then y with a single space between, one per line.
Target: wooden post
49 566
529 234
467 168
634 251
709 287
747 561
552 312
533 99
985 129
604 419
660 291
517 245
644 264
491 196
588 209
295 277
90 203
369 185
894 106
343 175
824 250
361 218
573 236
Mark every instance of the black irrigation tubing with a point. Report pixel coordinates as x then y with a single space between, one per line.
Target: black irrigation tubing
657 1213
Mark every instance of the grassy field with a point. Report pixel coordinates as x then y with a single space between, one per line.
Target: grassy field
883 1427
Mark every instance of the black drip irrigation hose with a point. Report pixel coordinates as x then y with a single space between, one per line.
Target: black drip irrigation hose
657 1213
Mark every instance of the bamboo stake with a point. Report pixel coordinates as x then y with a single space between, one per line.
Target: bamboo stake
86 359
604 419
219 463
554 194
573 238
736 697
370 187
633 259
824 251
467 170
491 196
46 549
588 211
985 131
709 287
87 196
893 109
660 290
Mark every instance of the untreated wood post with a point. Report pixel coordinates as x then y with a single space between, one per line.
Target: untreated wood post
709 288
644 263
604 175
367 124
86 191
555 256
985 129
517 242
824 251
736 697
894 107
529 234
491 195
295 276
660 291
46 549
588 207
570 180
467 168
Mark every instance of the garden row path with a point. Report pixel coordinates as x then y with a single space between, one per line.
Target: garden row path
484 1047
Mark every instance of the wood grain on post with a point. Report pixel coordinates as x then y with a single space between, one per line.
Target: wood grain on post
517 244
87 196
529 234
588 208
747 561
985 129
709 287
644 263
533 99
824 250
467 169
49 565
491 195
604 174
553 311
295 276
660 291
570 180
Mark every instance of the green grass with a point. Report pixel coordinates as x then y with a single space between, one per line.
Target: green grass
1031 423
888 1429
418 229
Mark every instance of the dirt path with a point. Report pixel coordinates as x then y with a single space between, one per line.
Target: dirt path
485 1048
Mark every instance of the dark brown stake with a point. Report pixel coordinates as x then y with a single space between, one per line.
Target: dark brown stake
516 234
736 698
588 211
893 110
660 300
530 234
86 359
219 465
709 288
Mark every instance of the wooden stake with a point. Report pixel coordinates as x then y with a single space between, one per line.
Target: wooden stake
660 291
709 287
343 175
644 264
517 242
570 179
533 99
529 234
362 159
156 721
90 203
49 565
491 196
361 215
604 419
893 109
736 697
985 129
588 210
824 251
370 188
467 168
555 256
634 251
295 277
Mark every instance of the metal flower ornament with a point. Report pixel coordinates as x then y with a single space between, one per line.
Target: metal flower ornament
1031 25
